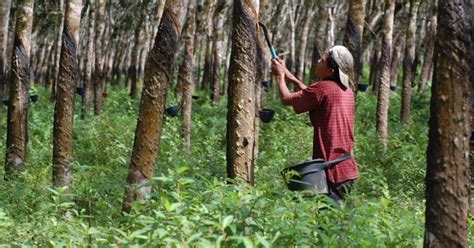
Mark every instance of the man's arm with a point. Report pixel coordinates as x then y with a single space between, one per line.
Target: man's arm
294 80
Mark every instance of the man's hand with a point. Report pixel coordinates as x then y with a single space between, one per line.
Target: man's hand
278 68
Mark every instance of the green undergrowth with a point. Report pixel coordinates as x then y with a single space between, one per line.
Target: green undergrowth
193 205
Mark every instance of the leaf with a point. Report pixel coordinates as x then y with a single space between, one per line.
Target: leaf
227 220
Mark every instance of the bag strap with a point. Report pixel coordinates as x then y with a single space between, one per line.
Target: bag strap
317 167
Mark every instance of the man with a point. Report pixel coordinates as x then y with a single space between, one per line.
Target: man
330 104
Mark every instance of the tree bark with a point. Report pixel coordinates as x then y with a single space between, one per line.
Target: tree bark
4 19
185 77
409 57
158 72
303 40
64 108
20 75
374 65
217 49
383 97
57 52
241 95
319 47
427 68
133 69
353 37
396 54
86 98
447 176
98 75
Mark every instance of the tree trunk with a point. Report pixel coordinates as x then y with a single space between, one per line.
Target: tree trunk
20 74
383 97
409 57
4 19
86 98
241 95
64 108
207 70
375 69
319 47
217 49
133 69
396 54
57 52
303 40
186 77
158 72
353 37
98 75
447 176
430 39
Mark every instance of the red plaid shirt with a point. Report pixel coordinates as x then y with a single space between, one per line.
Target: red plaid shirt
331 110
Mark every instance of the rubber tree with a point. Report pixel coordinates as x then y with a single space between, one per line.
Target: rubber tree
219 18
98 76
4 19
383 96
20 81
64 108
57 52
134 65
158 73
408 70
241 94
185 77
89 61
427 68
353 37
318 47
447 175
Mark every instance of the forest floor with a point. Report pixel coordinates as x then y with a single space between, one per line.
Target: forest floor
192 205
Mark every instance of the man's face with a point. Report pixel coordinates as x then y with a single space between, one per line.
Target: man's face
322 69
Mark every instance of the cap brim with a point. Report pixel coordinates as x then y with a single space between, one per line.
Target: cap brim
344 78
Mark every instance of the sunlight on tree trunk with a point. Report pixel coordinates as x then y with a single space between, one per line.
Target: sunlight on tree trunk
241 95
383 96
158 72
64 108
185 77
86 98
447 176
20 74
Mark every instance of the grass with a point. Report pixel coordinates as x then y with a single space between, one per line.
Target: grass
191 204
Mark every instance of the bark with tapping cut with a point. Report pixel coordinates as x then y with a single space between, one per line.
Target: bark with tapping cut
319 47
185 77
86 98
158 72
447 176
427 68
408 72
217 49
241 95
353 37
4 18
20 75
383 96
98 76
64 108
